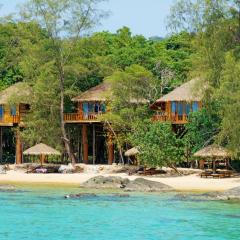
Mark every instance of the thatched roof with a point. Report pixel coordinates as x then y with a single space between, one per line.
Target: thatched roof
41 149
100 93
186 92
17 92
94 94
131 152
213 151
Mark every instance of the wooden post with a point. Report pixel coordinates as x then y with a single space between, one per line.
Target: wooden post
85 144
94 144
1 144
19 159
110 150
42 159
214 165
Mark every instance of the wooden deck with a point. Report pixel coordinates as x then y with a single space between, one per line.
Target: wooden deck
175 119
81 117
8 120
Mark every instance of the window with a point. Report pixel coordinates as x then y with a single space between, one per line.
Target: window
13 111
195 106
85 107
103 107
1 111
188 108
173 107
180 108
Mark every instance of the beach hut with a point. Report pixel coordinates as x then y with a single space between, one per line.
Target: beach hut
14 105
214 152
131 152
89 107
176 106
41 150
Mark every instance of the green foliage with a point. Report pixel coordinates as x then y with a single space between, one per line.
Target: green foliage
174 53
201 130
157 143
216 57
43 122
228 96
130 95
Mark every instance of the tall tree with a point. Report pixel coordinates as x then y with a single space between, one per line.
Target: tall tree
228 97
62 19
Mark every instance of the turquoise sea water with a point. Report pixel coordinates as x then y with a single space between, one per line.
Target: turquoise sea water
39 214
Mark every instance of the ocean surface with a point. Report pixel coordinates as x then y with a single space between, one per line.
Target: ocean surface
44 214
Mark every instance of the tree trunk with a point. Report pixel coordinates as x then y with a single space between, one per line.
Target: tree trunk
63 130
115 135
175 169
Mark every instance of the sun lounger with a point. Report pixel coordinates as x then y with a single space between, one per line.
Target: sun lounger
151 171
206 174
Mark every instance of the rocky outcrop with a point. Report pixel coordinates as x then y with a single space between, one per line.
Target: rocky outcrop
7 188
144 185
80 195
232 194
106 182
93 195
138 185
66 168
2 169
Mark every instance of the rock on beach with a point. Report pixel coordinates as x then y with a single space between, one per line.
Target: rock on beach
138 185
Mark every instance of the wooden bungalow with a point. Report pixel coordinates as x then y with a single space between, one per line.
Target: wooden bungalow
89 106
12 113
176 106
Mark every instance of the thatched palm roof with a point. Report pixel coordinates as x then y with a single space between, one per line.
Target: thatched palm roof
41 149
17 92
131 152
186 92
213 151
100 93
94 94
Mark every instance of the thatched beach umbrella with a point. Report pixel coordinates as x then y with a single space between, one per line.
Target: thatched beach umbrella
41 150
131 152
213 152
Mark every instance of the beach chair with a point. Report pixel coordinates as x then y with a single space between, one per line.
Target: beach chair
206 174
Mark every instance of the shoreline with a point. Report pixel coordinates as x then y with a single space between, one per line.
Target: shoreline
190 183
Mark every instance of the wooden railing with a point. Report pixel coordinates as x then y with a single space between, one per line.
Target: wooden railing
81 117
176 119
9 119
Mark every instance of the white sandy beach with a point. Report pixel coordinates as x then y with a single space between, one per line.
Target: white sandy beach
183 183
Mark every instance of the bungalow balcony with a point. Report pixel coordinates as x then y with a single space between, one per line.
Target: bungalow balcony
9 120
82 117
174 118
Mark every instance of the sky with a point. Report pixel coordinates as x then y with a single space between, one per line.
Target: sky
146 17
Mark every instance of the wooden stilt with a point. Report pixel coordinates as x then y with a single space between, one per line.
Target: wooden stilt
1 144
79 145
19 159
42 159
94 144
110 150
85 144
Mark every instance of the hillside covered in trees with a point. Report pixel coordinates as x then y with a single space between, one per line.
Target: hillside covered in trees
59 62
